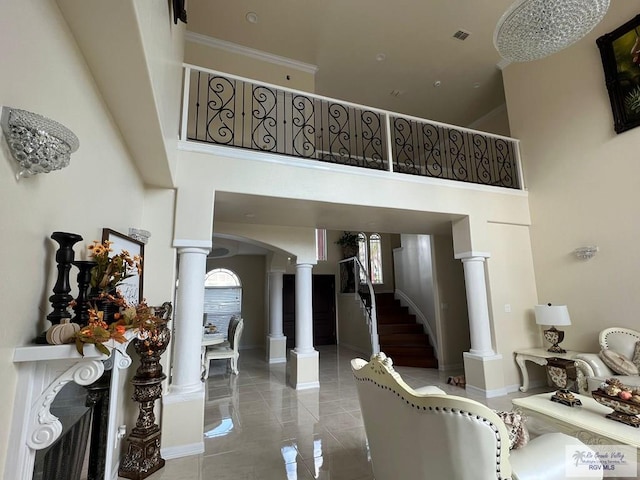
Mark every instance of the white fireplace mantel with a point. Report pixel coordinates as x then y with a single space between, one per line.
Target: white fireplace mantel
43 370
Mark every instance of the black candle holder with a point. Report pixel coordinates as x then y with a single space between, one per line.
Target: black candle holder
64 256
83 303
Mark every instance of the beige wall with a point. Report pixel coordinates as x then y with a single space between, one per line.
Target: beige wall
583 184
218 59
451 306
511 283
44 72
252 272
496 121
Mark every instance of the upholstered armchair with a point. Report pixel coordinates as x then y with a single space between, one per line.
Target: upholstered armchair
425 433
618 348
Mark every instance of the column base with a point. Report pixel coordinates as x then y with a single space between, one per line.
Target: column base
276 349
182 424
304 370
484 374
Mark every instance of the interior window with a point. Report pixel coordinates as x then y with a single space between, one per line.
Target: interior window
370 255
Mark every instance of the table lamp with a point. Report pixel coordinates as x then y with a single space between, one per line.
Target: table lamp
553 315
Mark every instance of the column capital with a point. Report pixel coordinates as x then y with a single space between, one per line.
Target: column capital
183 243
305 265
472 255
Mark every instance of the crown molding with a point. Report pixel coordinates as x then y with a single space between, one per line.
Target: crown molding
250 52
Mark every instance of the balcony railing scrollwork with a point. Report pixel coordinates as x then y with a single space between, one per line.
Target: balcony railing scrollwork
227 110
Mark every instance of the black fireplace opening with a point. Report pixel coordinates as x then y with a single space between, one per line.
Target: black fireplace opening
79 453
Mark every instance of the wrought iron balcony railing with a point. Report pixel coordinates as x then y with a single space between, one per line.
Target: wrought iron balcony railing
227 110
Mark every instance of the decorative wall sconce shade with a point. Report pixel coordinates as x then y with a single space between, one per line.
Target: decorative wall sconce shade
37 143
585 253
533 29
553 315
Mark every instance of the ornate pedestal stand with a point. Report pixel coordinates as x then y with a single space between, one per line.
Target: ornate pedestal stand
143 455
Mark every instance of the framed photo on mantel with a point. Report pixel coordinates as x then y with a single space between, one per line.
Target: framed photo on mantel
130 287
620 52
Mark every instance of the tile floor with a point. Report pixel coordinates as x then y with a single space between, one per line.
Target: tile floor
257 427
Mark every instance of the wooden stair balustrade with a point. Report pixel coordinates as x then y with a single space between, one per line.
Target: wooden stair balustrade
401 337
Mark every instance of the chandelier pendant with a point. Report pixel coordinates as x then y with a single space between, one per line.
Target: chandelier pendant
533 29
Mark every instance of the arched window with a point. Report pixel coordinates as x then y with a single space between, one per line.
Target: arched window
370 255
222 298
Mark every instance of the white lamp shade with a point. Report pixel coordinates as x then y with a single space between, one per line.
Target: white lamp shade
555 315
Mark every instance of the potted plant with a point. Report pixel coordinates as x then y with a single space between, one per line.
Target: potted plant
349 243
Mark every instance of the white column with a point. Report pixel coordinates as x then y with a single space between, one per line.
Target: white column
276 341
479 324
304 308
183 404
275 304
187 335
305 366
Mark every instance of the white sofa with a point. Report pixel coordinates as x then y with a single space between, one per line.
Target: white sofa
427 434
592 371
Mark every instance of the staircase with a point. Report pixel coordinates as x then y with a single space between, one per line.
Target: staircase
401 337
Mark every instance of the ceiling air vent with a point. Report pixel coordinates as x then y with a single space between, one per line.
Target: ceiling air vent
461 35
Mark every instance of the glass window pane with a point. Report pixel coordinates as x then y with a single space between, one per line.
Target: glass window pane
362 256
375 257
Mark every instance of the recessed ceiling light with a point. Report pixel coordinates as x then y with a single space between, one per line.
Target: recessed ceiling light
252 17
249 215
437 83
380 57
396 93
476 85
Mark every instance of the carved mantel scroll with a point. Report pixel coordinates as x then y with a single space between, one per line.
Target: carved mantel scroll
43 371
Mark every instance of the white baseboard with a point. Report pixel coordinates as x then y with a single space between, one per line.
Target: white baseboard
278 360
307 385
497 392
182 450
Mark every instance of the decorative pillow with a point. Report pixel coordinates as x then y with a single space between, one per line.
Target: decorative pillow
636 356
618 362
518 433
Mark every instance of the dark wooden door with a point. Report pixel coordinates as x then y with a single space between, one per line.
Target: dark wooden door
324 309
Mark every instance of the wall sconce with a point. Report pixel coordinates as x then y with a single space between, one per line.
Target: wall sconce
37 143
585 253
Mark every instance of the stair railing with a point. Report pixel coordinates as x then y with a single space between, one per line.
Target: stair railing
350 278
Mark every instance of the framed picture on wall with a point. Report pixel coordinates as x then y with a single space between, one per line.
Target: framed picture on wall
620 52
130 287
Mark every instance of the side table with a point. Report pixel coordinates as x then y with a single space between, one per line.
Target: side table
539 356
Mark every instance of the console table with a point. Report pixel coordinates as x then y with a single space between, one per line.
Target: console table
538 356
587 423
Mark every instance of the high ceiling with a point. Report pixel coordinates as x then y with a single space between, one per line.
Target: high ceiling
345 40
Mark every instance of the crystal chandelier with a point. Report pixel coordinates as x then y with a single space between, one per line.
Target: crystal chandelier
533 29
37 143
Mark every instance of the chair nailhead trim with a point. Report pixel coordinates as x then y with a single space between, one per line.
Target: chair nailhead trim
446 410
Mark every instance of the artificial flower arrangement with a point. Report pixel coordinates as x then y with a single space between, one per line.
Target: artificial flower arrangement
111 271
139 320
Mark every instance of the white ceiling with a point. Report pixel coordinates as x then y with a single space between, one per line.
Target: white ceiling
343 39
